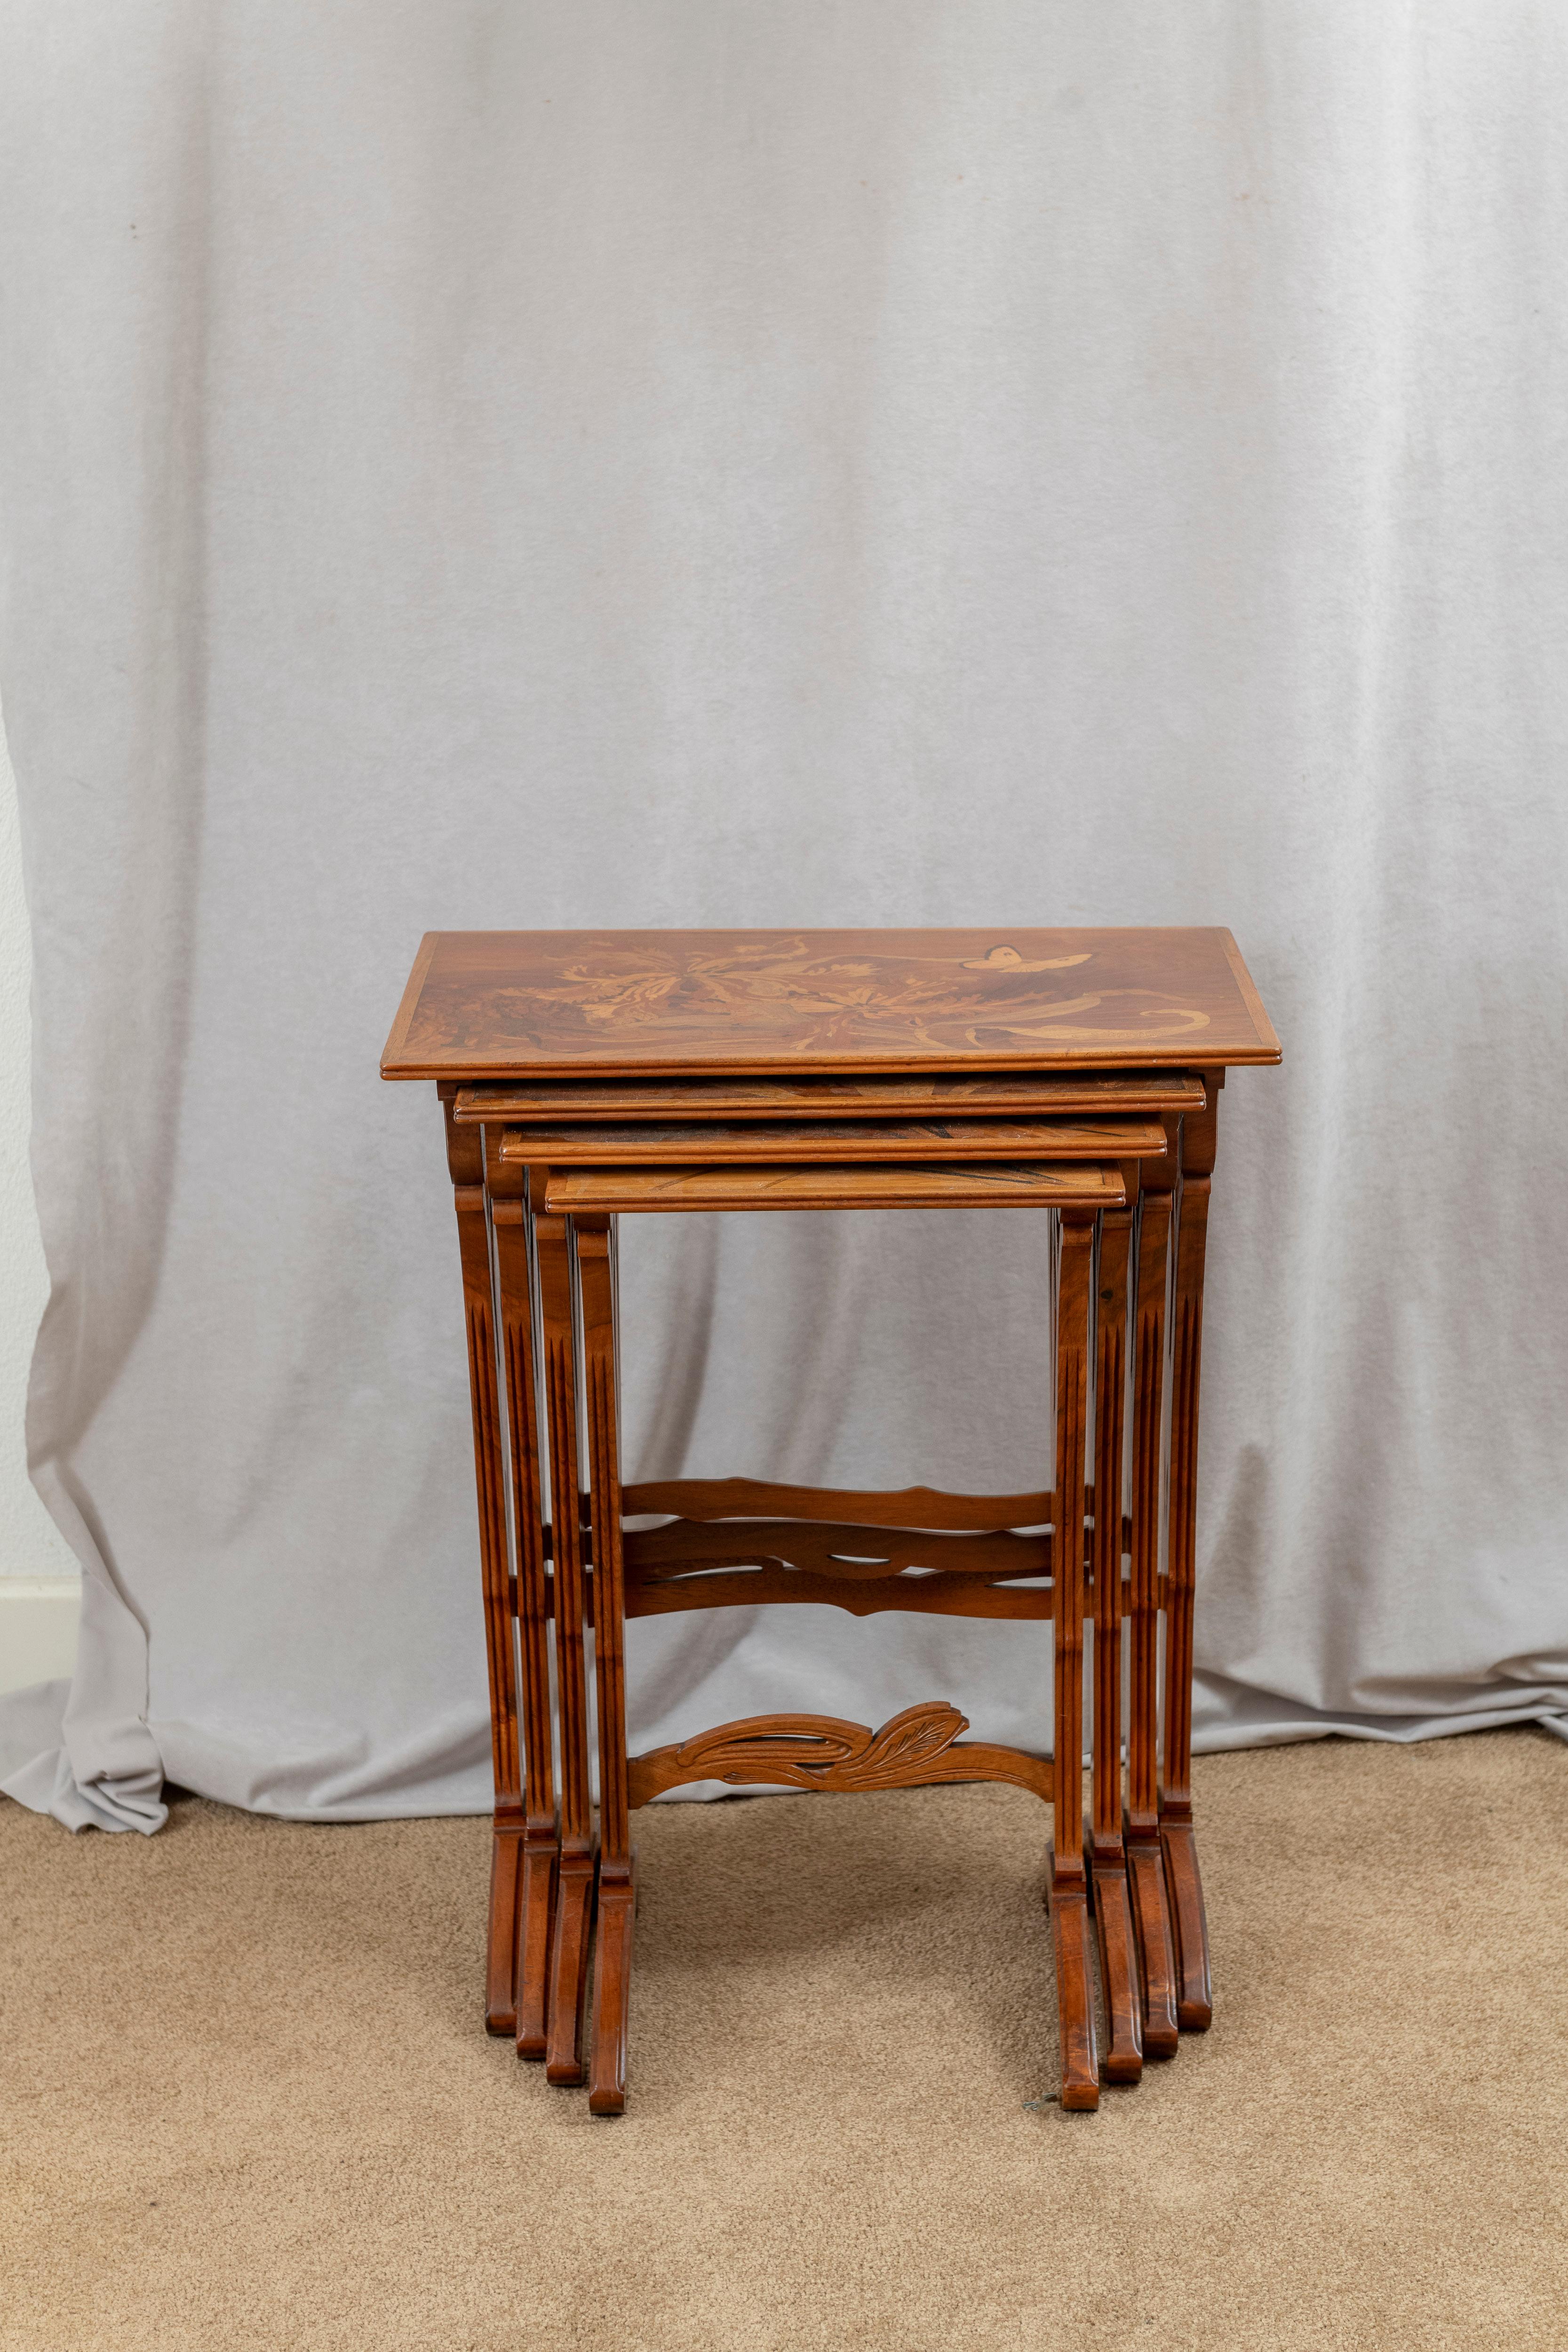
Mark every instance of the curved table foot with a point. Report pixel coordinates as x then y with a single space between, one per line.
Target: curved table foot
536 1917
569 1967
500 1940
1156 1952
1195 1990
1118 1971
1075 1996
611 1996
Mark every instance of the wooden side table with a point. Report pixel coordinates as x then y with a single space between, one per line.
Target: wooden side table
586 1076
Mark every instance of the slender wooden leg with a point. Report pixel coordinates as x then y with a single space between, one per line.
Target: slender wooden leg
1107 1865
1145 1861
1069 1912
613 1967
507 1184
575 1889
465 1159
1195 1993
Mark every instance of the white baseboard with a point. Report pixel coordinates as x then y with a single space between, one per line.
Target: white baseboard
38 1628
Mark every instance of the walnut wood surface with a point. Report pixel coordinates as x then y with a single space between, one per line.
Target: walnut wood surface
507 1191
1072 1401
649 1191
588 1073
596 1276
1146 1865
902 1506
912 1750
466 1166
933 1595
611 1992
1195 2000
1075 1995
819 1547
1111 1902
575 1882
1123 2061
1110 1277
1069 1918
1037 1094
612 1997
571 1953
862 1570
841 1142
513 1004
1152 1937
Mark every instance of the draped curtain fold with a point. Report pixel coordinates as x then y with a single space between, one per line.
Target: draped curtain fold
727 462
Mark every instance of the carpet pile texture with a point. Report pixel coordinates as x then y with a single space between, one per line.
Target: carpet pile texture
248 2100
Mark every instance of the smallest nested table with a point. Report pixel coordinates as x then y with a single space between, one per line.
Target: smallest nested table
589 1076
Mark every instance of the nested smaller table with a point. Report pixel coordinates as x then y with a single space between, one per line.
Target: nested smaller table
588 1077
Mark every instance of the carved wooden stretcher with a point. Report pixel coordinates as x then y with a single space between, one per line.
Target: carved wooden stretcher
588 1075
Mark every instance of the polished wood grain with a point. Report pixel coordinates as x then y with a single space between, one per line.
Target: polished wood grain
588 1073
849 1567
818 1548
508 1191
577 1873
613 1969
1069 1914
841 1142
1146 1859
535 1004
1006 1094
1194 1995
900 1506
930 1594
916 1749
1123 2061
465 1161
651 1191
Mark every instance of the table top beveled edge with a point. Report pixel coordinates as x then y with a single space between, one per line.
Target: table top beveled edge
1253 1002
501 1071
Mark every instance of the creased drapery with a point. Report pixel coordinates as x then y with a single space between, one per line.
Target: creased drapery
724 461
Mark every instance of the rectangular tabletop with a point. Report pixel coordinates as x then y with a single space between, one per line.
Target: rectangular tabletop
632 1190
835 1140
1028 1094
547 1004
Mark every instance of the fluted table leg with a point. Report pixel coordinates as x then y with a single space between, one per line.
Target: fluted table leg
507 1182
1145 1861
1195 1995
612 1965
1069 1913
1108 1867
575 1887
465 1160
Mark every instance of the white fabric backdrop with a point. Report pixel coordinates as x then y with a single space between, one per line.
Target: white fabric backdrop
467 462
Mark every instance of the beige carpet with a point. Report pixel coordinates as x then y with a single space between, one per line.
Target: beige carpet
249 2101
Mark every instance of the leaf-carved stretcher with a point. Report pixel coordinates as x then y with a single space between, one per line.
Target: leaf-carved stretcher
585 1077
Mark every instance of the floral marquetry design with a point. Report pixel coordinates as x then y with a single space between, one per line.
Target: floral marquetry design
488 1002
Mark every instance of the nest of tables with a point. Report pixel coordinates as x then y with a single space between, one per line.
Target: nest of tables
585 1077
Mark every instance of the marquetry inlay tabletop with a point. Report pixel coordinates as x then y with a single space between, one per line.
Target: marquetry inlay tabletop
533 1003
